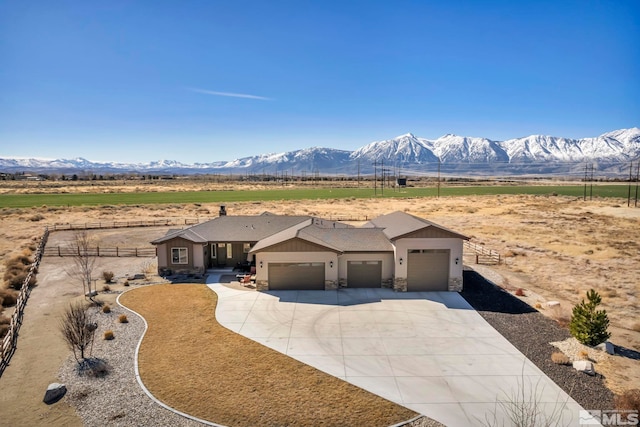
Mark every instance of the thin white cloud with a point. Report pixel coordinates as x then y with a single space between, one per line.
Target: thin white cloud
229 94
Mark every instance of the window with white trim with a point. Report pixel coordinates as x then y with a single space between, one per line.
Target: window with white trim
229 250
214 250
246 247
179 256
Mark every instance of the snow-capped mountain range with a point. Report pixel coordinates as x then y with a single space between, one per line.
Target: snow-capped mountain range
537 154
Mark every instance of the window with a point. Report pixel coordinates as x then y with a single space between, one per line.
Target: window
179 256
229 251
214 250
246 247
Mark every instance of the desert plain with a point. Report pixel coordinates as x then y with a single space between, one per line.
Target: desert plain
553 248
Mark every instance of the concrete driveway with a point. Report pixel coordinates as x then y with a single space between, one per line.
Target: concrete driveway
428 351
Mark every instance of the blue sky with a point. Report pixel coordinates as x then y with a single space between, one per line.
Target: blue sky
200 81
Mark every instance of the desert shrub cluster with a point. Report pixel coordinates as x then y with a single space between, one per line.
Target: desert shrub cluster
629 400
17 269
107 276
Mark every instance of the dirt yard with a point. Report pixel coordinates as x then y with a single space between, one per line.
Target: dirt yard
554 248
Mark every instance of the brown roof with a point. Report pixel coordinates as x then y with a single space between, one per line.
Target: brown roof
398 224
237 228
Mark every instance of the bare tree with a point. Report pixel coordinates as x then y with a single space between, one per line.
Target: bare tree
83 260
78 329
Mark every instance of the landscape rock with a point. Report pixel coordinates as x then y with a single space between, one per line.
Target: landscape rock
54 392
552 304
91 294
607 347
584 366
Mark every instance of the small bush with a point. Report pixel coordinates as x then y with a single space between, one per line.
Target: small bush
126 283
589 325
583 355
560 358
520 292
36 218
628 401
106 288
108 335
538 306
8 297
106 308
107 276
123 318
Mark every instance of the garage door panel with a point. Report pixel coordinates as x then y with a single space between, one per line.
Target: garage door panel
296 276
364 274
428 270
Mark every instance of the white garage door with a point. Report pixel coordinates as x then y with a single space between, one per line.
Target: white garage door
364 274
428 270
296 276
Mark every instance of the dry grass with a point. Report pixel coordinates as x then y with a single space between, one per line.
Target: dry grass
560 358
242 382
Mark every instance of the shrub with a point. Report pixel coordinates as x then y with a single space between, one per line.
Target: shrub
588 325
628 401
560 358
123 318
106 288
126 283
583 355
106 308
538 306
108 335
520 292
36 217
107 276
4 328
8 297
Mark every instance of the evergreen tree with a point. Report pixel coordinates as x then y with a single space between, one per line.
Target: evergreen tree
588 325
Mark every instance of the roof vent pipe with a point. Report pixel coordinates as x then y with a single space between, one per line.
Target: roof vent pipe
223 211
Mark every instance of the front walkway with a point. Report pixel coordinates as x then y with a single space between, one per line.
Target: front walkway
428 351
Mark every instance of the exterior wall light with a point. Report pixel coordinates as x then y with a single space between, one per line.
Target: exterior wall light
457 261
400 260
260 264
331 264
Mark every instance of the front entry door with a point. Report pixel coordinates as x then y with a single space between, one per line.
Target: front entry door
221 255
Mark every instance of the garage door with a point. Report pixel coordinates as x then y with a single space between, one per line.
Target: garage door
296 276
428 270
364 274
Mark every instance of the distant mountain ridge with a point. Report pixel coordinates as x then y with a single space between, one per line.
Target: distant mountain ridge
538 154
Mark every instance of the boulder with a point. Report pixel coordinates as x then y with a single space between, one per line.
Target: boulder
607 346
584 366
54 392
552 304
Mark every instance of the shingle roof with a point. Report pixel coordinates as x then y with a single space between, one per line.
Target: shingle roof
398 224
237 228
350 239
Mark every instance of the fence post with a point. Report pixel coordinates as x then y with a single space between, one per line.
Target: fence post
136 252
117 252
98 250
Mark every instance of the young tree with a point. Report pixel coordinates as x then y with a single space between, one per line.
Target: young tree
78 330
588 325
83 260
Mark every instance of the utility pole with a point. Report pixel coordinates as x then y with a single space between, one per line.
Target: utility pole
629 188
438 177
358 173
591 184
375 177
637 179
585 182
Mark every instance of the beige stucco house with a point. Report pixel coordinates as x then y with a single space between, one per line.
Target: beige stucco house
397 250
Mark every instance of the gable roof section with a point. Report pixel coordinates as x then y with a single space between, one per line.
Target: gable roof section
346 239
237 228
351 239
398 224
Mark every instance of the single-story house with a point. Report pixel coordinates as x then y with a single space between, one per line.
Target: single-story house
397 250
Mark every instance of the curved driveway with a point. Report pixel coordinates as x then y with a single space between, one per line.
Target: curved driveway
428 351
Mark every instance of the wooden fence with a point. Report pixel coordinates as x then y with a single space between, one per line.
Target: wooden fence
64 251
8 344
126 224
481 254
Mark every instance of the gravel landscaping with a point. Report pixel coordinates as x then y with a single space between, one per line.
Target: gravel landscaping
115 399
531 333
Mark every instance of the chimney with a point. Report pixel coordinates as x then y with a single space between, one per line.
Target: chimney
223 211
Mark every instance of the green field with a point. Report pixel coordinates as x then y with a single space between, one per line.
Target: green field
95 199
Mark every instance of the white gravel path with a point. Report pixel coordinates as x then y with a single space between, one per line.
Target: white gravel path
116 399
